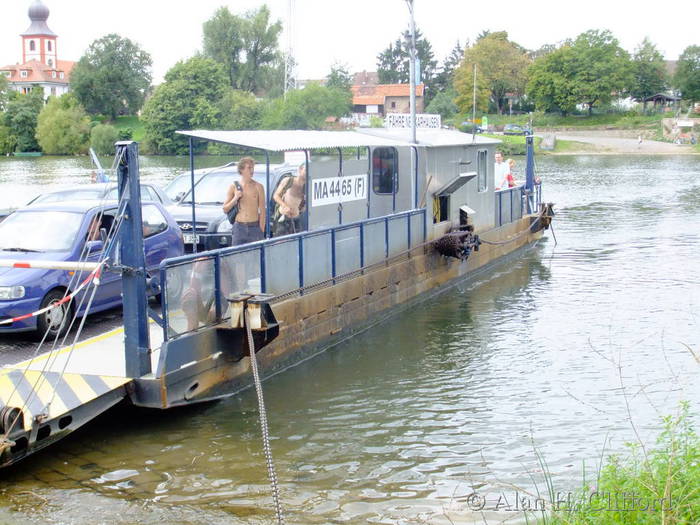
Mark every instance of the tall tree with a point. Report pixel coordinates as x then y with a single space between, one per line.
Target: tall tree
63 128
339 77
189 98
687 78
247 46
260 40
393 64
501 67
223 41
112 77
306 108
649 70
21 118
4 92
552 82
588 70
444 79
602 68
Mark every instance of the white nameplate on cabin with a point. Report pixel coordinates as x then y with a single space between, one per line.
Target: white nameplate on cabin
334 190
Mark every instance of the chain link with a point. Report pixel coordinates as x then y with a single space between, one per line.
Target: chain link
263 423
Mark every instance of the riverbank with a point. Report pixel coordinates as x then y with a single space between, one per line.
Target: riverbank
609 142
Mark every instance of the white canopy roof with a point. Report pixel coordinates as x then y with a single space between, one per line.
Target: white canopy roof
430 137
291 140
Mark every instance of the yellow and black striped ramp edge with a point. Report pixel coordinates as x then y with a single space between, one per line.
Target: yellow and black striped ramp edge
33 390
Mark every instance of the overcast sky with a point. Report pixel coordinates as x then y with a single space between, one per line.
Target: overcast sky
351 32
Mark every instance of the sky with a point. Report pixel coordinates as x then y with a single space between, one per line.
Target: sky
352 33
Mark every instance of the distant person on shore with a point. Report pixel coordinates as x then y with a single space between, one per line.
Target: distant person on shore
500 169
98 177
639 141
250 219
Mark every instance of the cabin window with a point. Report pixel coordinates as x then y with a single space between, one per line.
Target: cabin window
48 45
384 168
60 75
32 45
23 74
482 169
50 62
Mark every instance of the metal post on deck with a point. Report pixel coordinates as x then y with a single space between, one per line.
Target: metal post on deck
194 224
136 337
530 171
267 195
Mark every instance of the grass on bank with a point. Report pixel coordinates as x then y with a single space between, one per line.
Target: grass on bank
133 123
616 120
643 487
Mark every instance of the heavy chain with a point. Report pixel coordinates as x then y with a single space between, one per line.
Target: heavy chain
263 423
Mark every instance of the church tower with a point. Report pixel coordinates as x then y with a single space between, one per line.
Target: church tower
38 41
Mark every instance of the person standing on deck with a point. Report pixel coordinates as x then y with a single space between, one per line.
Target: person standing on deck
500 169
250 219
290 200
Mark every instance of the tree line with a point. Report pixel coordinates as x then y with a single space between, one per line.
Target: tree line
236 82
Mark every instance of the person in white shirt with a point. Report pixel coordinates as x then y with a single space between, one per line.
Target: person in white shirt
500 169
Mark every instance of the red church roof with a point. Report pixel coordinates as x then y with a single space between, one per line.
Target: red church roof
38 72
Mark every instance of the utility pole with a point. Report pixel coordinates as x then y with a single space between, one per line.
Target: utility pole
290 80
412 73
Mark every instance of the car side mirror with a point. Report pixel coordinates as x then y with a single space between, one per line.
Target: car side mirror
94 246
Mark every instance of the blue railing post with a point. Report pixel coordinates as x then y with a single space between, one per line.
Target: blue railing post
263 284
510 199
164 300
333 254
386 237
217 286
362 245
408 217
301 261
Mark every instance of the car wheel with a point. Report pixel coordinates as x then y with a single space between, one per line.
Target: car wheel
57 320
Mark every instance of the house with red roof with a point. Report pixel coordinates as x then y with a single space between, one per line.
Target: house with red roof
40 66
380 99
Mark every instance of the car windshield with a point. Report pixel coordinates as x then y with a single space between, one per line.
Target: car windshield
39 231
70 195
180 185
211 189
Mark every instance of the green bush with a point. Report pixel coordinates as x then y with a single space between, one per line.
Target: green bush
664 480
7 140
103 137
63 127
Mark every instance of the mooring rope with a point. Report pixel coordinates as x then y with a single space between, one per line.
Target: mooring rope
263 423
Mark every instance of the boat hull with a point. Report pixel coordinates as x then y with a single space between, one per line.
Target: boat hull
320 318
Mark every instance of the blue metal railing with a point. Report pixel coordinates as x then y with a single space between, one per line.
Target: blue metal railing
512 203
279 265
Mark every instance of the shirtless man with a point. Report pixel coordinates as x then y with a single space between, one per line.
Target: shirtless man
289 198
250 220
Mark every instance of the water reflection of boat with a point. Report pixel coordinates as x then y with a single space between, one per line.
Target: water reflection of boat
387 223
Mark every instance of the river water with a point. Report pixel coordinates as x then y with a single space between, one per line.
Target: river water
563 355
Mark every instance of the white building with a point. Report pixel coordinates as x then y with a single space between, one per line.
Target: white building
40 66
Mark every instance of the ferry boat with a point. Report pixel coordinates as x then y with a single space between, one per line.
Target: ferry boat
387 222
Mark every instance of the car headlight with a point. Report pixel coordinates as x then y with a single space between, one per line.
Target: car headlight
224 227
11 292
